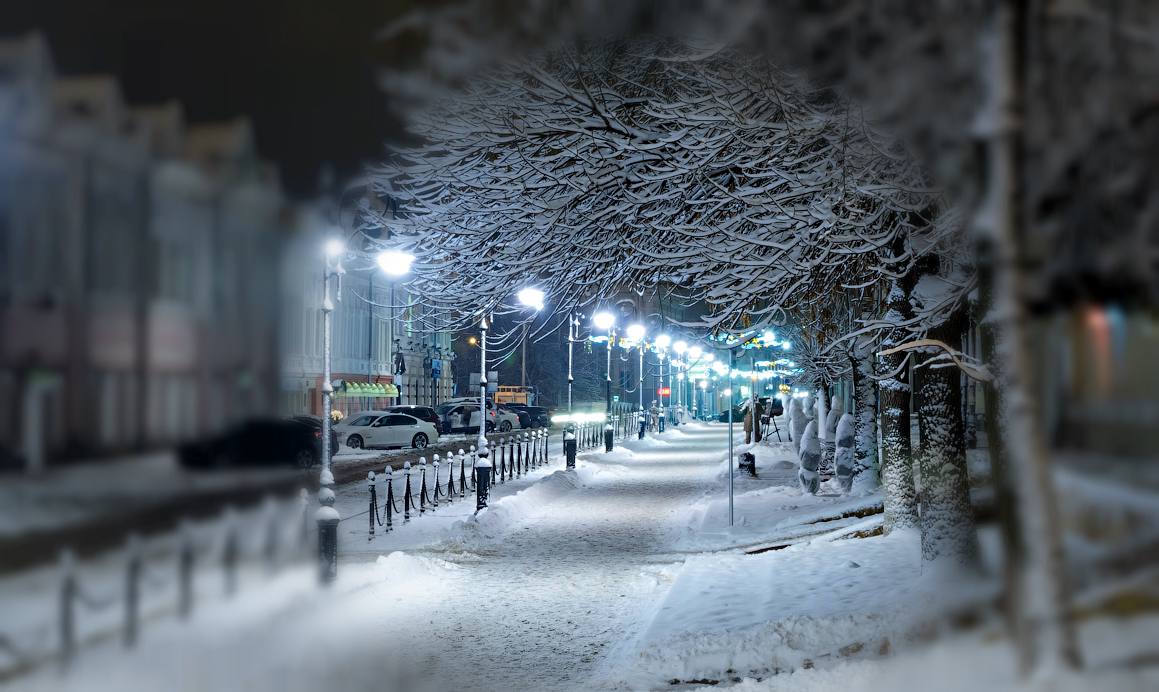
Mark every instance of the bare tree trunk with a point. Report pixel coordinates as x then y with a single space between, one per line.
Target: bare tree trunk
1047 633
897 471
947 520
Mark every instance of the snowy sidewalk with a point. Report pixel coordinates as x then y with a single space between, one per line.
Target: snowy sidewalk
536 594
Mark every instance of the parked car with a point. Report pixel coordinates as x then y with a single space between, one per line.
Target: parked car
524 418
260 442
540 416
369 429
426 413
462 418
501 419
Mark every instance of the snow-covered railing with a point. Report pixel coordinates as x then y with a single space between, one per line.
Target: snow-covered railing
423 486
86 613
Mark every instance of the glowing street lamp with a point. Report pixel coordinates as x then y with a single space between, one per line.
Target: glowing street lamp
395 262
531 297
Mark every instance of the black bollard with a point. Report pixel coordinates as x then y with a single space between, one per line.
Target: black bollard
462 474
132 591
406 497
569 446
482 479
450 478
608 438
389 497
373 503
422 486
68 594
185 557
518 457
435 497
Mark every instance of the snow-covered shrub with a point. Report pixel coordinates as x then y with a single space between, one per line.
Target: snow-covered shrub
810 460
800 420
829 434
843 460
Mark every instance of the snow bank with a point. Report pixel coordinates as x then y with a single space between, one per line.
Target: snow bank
758 614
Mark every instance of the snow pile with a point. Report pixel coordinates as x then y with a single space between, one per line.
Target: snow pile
785 609
490 525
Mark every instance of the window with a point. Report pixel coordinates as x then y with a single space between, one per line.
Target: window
399 420
363 420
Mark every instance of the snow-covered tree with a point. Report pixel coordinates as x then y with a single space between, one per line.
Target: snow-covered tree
844 462
808 474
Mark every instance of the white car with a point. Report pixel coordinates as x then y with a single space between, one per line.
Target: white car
499 419
385 429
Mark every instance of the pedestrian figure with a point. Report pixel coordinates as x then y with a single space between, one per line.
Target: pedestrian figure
643 424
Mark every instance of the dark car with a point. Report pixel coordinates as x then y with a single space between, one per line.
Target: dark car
426 413
540 416
261 442
525 420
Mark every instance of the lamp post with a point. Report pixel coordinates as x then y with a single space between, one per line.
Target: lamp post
680 348
606 321
663 341
532 298
395 264
572 333
483 382
327 517
731 369
636 333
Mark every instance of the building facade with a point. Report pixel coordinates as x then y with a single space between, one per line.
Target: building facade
138 268
377 337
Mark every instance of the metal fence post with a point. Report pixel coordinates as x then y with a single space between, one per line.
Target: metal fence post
373 502
482 478
67 606
389 473
185 558
132 590
435 496
406 501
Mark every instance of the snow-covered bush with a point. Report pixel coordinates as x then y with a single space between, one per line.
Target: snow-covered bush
843 460
828 433
800 420
810 460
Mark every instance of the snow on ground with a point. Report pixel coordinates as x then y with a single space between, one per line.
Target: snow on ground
984 661
621 574
532 596
69 495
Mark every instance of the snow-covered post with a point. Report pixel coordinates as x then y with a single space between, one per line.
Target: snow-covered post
185 558
810 459
797 421
133 568
327 517
845 466
482 382
829 445
482 477
373 510
463 473
406 493
435 497
520 443
569 445
422 486
230 551
67 607
389 497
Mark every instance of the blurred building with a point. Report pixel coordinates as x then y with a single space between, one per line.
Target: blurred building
378 334
138 268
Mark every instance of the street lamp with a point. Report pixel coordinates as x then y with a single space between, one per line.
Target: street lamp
680 348
636 333
663 342
606 321
394 263
532 298
327 517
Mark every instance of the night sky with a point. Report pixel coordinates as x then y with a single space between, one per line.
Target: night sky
303 70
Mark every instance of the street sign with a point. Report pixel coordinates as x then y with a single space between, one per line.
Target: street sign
615 398
664 391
